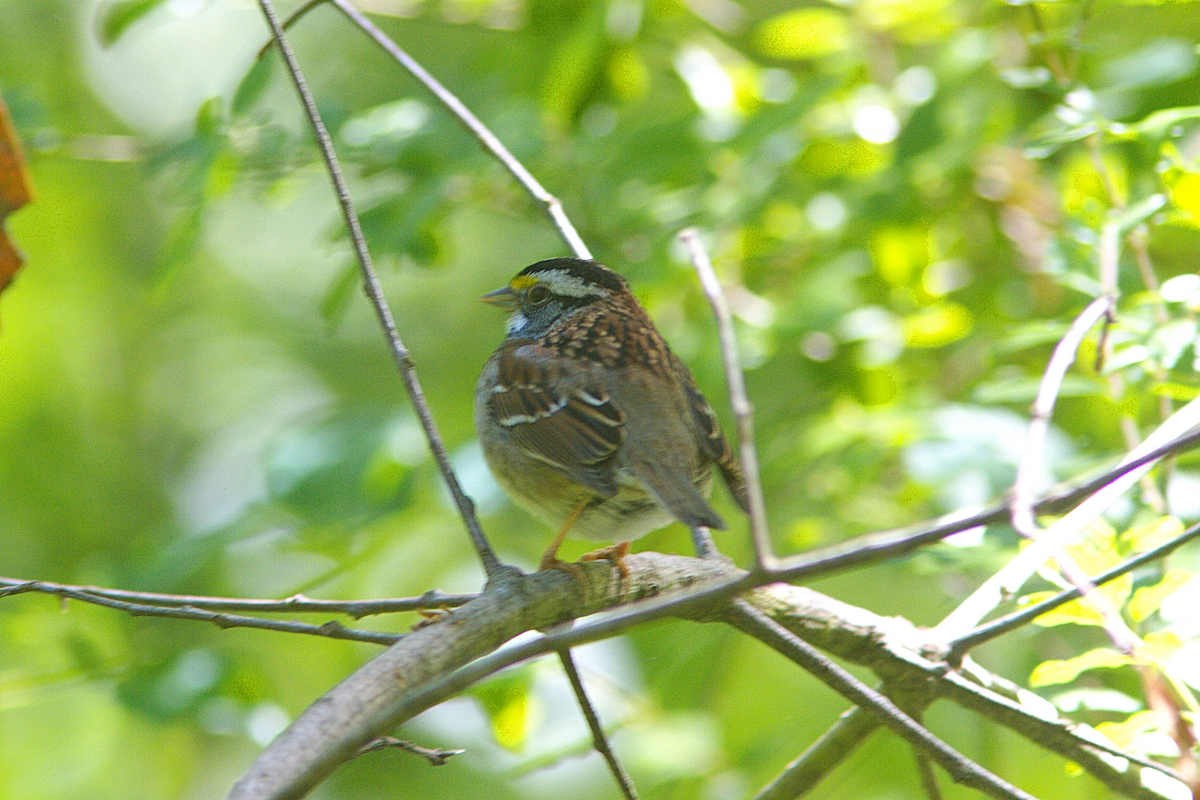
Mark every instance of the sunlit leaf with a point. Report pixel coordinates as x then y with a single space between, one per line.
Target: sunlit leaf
507 701
1124 733
1147 599
1185 195
913 21
1152 534
1159 123
1076 612
937 325
1158 647
803 33
1049 673
900 253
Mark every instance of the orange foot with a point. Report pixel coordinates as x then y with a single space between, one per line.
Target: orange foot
615 553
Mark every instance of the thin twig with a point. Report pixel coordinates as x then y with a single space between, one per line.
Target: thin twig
928 778
296 604
599 739
1060 74
1032 462
291 20
834 747
436 758
400 353
1136 239
1017 619
962 770
1177 429
764 556
876 547
551 204
331 629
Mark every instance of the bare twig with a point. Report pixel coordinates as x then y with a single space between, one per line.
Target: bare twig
599 739
1061 76
400 353
928 778
764 556
1032 461
1179 428
296 604
551 204
331 629
834 746
436 758
962 770
1009 622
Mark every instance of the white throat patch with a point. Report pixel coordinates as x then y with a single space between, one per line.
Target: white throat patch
516 323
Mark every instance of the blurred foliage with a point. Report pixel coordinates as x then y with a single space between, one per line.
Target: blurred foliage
909 197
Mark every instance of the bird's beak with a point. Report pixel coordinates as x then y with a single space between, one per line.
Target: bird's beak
504 298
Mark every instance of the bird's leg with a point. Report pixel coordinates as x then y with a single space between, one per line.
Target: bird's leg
550 557
615 553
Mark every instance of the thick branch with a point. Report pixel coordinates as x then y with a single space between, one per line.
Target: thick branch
432 663
381 693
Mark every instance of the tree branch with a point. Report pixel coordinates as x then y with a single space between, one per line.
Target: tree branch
296 604
331 629
743 412
400 354
599 739
551 204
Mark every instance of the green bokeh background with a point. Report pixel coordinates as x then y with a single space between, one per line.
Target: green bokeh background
195 398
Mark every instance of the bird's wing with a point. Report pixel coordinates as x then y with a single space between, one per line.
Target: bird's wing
576 430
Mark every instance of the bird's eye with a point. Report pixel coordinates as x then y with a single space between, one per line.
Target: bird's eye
538 294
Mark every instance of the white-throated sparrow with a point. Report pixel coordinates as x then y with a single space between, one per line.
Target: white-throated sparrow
586 417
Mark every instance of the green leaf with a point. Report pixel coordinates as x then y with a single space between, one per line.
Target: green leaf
506 700
1049 673
117 17
576 66
1152 534
803 33
1160 123
337 297
1134 215
253 84
1049 143
1023 390
1148 599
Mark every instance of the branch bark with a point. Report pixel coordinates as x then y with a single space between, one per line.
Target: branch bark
426 666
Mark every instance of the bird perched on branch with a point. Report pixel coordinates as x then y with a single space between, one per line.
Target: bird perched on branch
586 417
